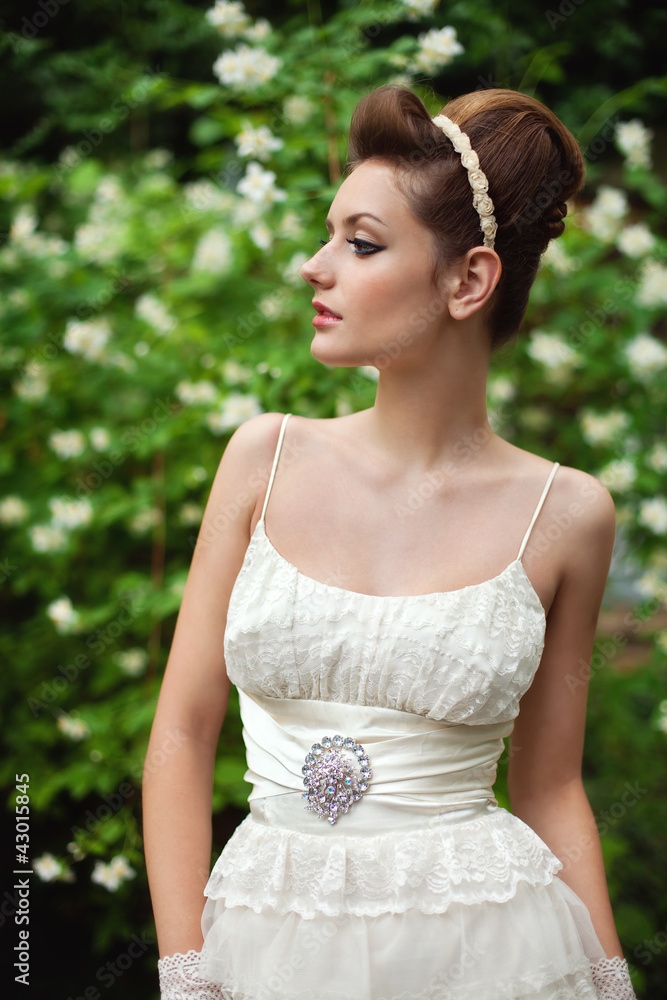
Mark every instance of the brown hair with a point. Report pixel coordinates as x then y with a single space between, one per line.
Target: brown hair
532 162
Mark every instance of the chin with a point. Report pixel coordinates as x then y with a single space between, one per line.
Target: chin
335 357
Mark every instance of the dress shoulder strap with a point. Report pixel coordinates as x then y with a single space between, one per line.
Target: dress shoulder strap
275 463
538 508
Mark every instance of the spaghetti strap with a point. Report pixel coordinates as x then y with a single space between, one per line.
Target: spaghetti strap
275 463
538 508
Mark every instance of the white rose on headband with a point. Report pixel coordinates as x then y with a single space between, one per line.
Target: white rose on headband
470 160
478 180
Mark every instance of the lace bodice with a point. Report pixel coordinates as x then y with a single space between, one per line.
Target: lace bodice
461 656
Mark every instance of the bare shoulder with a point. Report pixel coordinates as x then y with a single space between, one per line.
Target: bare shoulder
588 503
244 469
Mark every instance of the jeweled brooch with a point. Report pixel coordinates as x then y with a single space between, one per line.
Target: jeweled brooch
332 782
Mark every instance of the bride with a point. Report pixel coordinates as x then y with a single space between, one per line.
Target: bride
449 626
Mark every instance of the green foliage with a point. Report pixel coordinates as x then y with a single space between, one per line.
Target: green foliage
149 306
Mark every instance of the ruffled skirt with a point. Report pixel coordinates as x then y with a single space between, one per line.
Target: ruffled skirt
466 904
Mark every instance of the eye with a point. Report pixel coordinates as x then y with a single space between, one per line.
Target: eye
323 243
364 248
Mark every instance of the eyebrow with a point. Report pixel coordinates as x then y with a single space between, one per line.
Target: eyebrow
351 219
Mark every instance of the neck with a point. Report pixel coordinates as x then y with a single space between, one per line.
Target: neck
434 411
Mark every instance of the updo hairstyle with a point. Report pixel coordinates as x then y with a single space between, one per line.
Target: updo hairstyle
532 162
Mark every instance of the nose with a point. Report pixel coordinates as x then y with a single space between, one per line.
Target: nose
315 271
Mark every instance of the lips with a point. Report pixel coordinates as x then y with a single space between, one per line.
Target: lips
325 311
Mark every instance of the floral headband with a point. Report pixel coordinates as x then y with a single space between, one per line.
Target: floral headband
476 176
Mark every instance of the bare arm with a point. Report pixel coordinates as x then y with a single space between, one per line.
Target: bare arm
178 776
544 782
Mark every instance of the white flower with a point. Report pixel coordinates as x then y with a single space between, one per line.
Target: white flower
297 110
598 428
13 510
261 236
132 661
633 139
100 241
141 348
635 241
195 475
100 438
619 475
271 306
205 196
74 729
33 384
236 408
190 514
653 285
550 350
370 371
158 159
229 17
657 458
653 515
109 190
62 614
114 874
651 584
47 538
604 216
213 252
419 8
145 520
23 226
66 512
258 185
87 337
246 67
292 271
235 373
611 201
257 142
259 31
290 226
203 392
67 444
558 260
152 311
437 48
47 867
501 390
645 355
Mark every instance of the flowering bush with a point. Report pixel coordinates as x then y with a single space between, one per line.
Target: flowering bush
146 316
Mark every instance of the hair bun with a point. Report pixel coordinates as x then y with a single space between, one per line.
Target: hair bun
552 220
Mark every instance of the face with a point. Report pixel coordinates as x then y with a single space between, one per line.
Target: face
372 285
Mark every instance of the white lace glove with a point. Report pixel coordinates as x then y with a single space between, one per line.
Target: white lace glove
179 979
611 979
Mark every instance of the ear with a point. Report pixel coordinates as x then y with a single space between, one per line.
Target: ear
473 282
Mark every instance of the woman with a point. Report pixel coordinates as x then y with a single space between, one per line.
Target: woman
420 580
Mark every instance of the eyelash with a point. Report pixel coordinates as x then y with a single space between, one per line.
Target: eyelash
363 248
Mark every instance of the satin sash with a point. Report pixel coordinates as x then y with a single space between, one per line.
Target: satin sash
421 767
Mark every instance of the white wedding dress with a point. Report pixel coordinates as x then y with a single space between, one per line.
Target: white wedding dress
425 889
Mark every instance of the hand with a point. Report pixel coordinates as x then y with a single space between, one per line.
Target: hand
611 979
179 979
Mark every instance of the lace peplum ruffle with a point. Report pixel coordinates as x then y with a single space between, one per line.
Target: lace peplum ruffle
426 869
